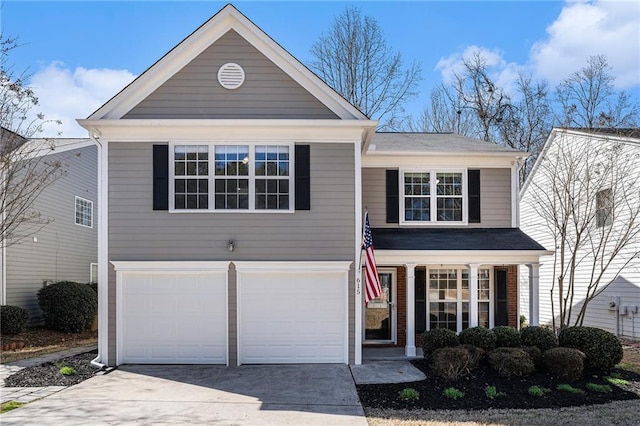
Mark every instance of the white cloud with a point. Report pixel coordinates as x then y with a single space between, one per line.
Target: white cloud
66 94
583 29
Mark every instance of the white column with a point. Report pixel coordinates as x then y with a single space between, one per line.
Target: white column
410 349
473 294
534 297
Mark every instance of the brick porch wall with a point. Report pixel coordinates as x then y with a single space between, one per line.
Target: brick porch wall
512 295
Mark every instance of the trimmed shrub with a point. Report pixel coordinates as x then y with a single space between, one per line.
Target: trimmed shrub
602 349
476 356
506 337
94 287
13 319
541 337
451 363
479 337
68 306
564 362
510 362
438 338
534 353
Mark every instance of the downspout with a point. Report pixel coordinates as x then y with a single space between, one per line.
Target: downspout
103 283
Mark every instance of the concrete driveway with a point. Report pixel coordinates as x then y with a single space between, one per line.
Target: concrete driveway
247 395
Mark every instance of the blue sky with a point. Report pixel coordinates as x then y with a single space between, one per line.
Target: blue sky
82 52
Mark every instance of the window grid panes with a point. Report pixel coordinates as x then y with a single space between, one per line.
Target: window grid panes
449 299
191 171
232 177
484 294
84 212
272 177
417 191
449 197
604 203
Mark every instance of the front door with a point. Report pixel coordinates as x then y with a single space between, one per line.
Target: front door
379 314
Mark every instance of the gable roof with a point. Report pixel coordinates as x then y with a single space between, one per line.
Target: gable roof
450 143
228 18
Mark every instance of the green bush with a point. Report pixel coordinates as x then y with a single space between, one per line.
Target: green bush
602 349
94 287
534 353
564 362
506 337
13 319
451 363
438 338
409 394
68 306
540 337
510 362
479 337
453 393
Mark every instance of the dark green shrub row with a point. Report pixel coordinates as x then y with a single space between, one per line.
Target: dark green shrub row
541 337
68 306
564 362
13 319
509 362
479 337
602 349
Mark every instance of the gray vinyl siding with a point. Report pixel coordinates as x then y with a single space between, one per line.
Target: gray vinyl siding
138 233
194 91
495 198
64 250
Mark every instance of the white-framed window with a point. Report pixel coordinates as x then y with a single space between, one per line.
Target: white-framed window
223 177
448 298
84 212
93 272
604 208
433 196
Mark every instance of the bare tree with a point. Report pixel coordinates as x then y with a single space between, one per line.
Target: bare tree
588 99
25 170
586 192
354 59
446 113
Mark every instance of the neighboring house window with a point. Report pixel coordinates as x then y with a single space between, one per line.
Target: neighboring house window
448 298
244 177
433 197
93 273
84 212
604 207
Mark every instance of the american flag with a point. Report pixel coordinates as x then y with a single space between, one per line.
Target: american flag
372 288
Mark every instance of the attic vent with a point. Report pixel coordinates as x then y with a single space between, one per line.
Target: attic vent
231 76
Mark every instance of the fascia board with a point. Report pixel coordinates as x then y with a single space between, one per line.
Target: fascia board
444 257
435 159
227 19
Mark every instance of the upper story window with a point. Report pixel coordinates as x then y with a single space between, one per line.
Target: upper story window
84 212
433 197
241 177
604 207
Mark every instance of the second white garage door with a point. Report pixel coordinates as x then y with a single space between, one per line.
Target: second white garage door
292 316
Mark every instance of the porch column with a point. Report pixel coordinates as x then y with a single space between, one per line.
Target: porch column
534 297
410 349
473 294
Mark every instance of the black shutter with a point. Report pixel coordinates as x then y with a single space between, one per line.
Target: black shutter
501 317
421 300
393 199
160 177
473 192
303 177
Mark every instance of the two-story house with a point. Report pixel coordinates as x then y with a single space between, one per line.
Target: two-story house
233 183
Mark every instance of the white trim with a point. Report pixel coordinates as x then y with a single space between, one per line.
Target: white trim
534 296
207 34
311 130
192 268
75 204
473 294
357 276
3 251
251 177
515 206
291 267
410 347
91 265
437 160
394 310
459 257
103 251
433 197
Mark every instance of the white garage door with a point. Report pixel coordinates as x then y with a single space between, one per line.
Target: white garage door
292 317
173 317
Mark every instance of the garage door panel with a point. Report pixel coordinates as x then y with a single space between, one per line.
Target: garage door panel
173 318
292 317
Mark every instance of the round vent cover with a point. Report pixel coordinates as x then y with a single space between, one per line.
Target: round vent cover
231 76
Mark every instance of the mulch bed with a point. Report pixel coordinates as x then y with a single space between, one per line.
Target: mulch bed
48 374
514 392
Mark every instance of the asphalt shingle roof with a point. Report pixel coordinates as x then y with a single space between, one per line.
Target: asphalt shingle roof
433 142
493 239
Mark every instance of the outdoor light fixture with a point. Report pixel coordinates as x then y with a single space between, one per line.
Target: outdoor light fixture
231 246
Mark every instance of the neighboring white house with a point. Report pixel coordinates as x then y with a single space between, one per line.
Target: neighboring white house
65 247
602 166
